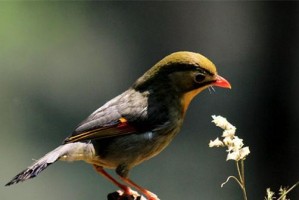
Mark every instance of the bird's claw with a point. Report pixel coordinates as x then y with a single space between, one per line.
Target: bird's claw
151 196
128 194
128 191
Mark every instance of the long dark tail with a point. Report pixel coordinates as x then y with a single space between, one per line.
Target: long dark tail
67 152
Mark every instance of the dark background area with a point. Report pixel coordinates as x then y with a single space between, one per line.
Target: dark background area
61 61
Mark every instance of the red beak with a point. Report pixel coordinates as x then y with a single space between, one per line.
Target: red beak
221 82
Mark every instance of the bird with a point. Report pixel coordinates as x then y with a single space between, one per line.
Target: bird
137 124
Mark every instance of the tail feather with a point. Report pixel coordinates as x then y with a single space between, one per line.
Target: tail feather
66 152
37 167
28 173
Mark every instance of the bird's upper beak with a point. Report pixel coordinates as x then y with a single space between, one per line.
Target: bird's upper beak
221 82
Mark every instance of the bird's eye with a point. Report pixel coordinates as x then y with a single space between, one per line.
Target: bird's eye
199 77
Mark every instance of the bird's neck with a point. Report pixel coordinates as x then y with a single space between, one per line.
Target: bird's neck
164 101
187 97
180 102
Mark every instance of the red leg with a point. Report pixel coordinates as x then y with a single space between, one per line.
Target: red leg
125 188
148 194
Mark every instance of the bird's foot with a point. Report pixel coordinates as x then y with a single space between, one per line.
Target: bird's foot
151 196
118 196
128 194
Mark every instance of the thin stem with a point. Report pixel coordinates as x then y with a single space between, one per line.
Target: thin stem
233 177
239 173
242 177
242 172
296 184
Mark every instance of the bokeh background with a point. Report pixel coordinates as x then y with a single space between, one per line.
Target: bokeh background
60 61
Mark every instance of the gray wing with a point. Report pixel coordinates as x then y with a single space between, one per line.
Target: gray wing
117 117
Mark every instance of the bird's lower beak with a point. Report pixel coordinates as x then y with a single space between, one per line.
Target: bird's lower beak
221 82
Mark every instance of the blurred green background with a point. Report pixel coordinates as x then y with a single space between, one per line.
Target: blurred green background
61 61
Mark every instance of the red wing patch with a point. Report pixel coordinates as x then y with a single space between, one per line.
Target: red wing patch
123 122
120 127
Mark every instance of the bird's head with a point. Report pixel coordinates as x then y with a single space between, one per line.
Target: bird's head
184 72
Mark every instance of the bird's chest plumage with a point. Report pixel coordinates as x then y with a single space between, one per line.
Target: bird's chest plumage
131 149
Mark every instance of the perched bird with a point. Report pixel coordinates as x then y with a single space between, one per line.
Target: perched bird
139 123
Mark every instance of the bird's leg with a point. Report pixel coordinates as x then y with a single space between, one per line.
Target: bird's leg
149 195
126 190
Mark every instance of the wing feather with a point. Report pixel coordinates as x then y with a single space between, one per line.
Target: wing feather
116 128
109 120
119 116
